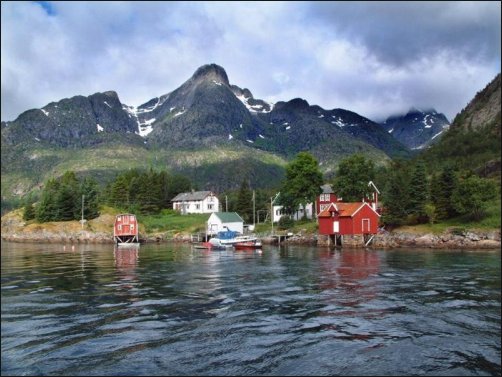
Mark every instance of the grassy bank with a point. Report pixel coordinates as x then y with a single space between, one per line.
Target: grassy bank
169 223
462 223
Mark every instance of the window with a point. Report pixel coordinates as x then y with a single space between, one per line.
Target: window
119 227
197 206
132 227
131 218
209 206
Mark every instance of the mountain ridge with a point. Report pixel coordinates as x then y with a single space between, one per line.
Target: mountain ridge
206 113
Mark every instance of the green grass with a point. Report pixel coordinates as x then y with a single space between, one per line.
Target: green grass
172 222
462 223
301 226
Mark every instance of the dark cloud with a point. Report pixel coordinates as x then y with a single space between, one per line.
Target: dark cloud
374 58
399 32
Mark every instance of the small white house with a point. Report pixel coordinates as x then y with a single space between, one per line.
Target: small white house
223 221
196 202
298 215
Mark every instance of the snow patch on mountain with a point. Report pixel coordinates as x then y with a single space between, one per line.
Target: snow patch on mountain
254 108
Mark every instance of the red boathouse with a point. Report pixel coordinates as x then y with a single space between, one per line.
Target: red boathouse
125 229
341 219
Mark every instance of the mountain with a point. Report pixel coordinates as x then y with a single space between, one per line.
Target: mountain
418 128
207 110
73 122
215 132
473 140
483 111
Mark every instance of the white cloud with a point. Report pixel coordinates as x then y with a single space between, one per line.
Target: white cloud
332 54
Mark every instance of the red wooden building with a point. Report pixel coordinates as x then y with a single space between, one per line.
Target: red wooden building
327 197
125 229
341 219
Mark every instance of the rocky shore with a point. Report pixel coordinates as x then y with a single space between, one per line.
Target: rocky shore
450 239
467 240
98 231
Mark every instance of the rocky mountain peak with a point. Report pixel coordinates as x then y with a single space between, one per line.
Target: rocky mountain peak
211 72
110 93
298 104
484 108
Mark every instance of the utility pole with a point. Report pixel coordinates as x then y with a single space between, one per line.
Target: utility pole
226 204
82 221
272 200
254 205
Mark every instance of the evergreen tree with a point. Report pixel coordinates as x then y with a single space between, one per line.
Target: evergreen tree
29 209
395 197
418 188
244 205
119 193
178 184
472 196
47 209
90 190
353 175
442 187
68 198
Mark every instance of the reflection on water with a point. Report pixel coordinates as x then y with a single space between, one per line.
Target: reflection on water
174 310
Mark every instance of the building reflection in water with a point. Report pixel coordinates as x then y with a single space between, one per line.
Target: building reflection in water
126 261
347 276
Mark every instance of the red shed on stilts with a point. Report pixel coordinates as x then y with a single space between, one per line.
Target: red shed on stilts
125 229
341 219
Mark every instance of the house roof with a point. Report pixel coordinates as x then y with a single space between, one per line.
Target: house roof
228 217
193 195
327 211
344 209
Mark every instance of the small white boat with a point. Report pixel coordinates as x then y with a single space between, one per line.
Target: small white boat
230 239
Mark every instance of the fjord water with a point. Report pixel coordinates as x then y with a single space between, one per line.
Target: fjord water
172 310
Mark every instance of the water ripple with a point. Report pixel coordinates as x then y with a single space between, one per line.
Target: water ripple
302 311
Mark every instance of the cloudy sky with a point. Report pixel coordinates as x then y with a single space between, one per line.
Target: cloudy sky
375 58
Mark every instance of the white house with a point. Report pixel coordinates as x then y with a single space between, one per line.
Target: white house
298 215
196 202
223 221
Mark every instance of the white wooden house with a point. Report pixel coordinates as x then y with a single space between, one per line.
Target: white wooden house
196 202
298 215
223 221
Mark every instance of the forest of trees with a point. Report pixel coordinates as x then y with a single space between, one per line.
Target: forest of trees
142 192
62 199
411 193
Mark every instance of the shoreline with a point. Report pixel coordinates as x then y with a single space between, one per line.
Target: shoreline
447 240
98 231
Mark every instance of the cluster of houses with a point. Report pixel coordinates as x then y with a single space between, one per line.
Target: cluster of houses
335 217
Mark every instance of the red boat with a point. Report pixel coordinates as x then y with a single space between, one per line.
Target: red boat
247 242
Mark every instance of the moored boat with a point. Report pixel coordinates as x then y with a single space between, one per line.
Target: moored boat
247 242
211 246
230 239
